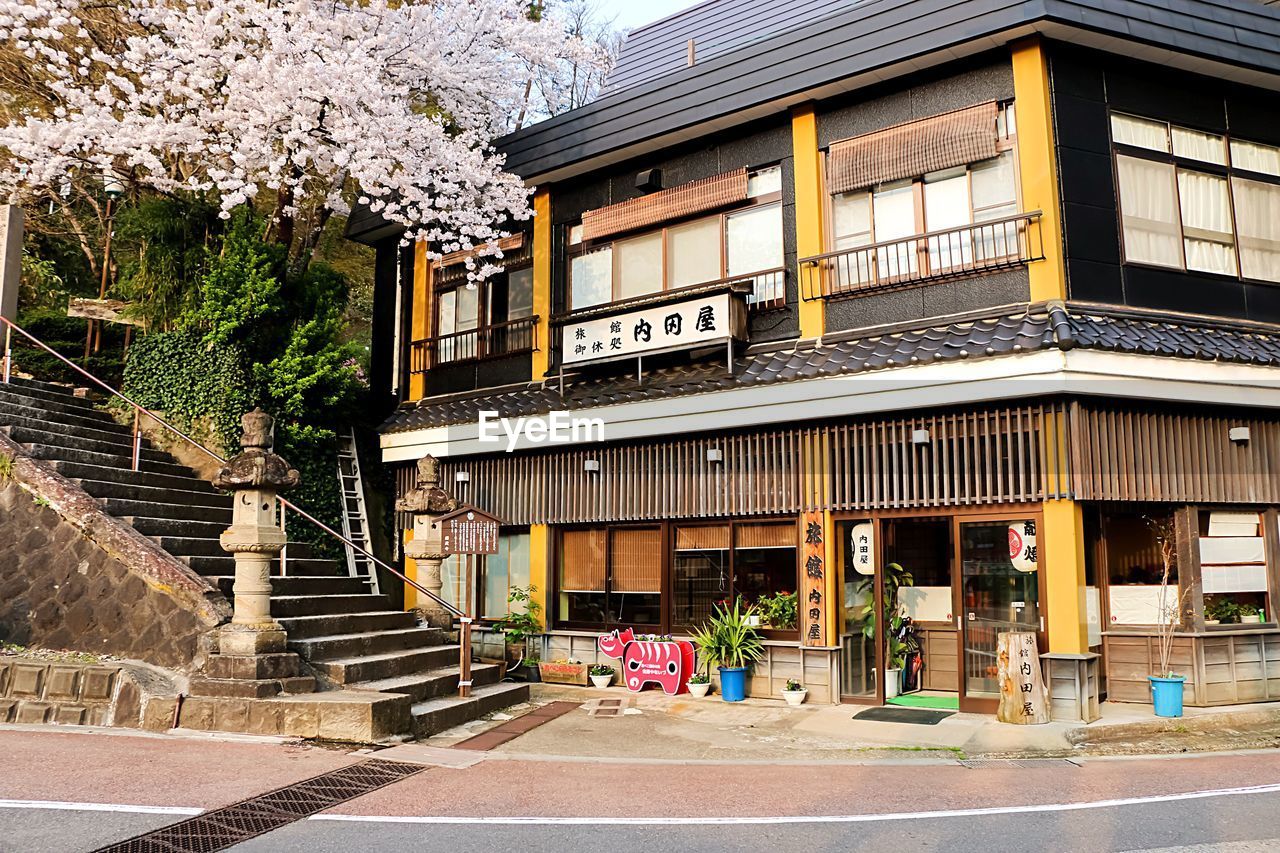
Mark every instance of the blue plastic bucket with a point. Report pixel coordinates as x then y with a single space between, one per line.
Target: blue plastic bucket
1166 694
733 683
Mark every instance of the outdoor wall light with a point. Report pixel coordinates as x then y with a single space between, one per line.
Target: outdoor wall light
462 477
714 455
920 436
591 465
1240 435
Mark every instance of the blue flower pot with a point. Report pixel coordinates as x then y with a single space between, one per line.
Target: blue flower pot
733 683
1166 694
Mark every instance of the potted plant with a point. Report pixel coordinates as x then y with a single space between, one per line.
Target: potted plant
1221 611
897 634
518 628
794 692
601 675
728 642
699 684
1250 615
1166 686
780 611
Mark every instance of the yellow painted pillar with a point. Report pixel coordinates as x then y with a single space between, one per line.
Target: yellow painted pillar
542 282
411 572
807 161
420 322
1038 165
540 567
1061 545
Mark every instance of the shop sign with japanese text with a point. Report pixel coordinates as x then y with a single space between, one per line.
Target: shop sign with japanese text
692 322
811 603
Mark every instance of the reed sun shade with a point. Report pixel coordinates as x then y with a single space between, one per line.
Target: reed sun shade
913 149
765 535
703 538
636 553
582 561
675 203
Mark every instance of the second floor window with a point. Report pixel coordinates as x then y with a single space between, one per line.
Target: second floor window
744 243
477 320
1197 201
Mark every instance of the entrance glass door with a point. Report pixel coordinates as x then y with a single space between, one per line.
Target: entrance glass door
858 635
1000 591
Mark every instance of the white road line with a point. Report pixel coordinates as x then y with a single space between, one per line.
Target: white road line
784 819
97 807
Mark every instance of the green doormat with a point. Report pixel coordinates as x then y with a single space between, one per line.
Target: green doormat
911 700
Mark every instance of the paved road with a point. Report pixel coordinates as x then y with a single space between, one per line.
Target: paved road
1230 803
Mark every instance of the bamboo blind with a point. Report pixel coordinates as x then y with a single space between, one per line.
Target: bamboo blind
707 537
684 200
765 535
582 560
636 559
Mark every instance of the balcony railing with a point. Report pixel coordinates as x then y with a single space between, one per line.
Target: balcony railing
499 339
934 256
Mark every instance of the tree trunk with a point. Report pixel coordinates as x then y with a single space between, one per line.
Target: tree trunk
1023 699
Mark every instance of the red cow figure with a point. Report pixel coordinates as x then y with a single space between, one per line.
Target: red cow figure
667 664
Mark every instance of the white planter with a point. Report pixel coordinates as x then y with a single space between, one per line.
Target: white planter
698 691
1212 622
892 683
602 680
753 621
795 697
1255 619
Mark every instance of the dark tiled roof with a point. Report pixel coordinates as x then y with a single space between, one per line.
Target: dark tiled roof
1036 328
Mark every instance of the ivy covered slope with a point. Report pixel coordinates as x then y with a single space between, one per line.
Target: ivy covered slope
253 333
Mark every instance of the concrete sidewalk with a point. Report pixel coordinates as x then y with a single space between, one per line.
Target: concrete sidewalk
651 726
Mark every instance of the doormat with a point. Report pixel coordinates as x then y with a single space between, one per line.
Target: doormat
913 700
892 714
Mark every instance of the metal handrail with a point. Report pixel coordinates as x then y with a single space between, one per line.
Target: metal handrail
139 410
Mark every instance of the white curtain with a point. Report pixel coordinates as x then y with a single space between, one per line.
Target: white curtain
1150 212
1206 222
1205 147
1140 132
1258 223
1255 158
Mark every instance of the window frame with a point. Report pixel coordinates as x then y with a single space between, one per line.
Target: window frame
583 247
484 294
1180 164
481 568
667 601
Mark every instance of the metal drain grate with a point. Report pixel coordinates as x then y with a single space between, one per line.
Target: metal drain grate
230 825
1016 763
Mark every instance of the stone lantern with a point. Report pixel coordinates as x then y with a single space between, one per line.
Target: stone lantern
427 502
254 539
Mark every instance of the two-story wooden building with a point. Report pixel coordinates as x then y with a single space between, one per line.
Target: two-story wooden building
969 290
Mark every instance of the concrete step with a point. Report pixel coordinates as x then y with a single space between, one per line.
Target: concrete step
386 664
123 508
305 627
12 407
333 605
114 474
302 585
296 566
121 438
55 388
176 527
122 460
48 399
343 646
49 438
187 546
435 684
437 715
106 490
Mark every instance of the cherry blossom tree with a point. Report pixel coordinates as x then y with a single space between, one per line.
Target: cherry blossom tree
292 105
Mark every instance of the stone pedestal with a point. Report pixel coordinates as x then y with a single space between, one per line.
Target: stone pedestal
427 502
250 659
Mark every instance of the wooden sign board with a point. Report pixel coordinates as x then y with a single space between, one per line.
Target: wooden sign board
813 588
1023 697
469 531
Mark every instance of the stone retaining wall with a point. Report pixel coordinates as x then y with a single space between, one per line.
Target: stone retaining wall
37 691
73 577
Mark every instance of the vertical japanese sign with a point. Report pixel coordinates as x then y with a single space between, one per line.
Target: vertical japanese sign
813 564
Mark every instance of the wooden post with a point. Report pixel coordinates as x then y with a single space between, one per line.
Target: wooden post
464 665
1023 700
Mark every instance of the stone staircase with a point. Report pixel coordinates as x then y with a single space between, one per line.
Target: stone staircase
351 638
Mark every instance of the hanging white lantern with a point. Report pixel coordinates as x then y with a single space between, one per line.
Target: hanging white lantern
862 546
1023 551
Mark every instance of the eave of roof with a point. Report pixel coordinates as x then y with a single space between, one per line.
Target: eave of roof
875 41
